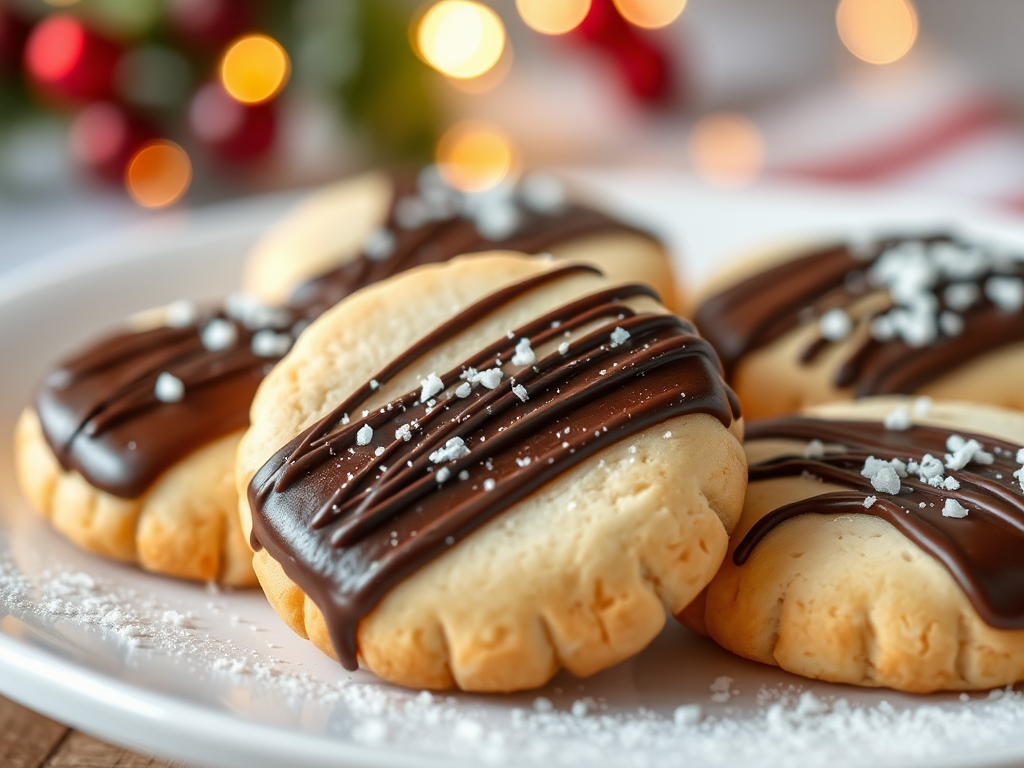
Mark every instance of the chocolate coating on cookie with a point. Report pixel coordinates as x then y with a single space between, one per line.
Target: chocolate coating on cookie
947 302
100 410
982 549
353 505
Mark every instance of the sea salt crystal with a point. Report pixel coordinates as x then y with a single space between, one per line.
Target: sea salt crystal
380 244
619 336
465 389
835 325
443 474
563 348
490 378
687 714
922 406
961 296
404 433
524 354
951 324
524 461
218 334
953 508
364 435
886 481
898 420
180 314
520 392
454 449
869 501
169 388
1005 292
430 386
267 343
814 449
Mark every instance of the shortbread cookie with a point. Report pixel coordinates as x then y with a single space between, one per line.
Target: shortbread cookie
936 315
881 545
129 449
474 474
365 229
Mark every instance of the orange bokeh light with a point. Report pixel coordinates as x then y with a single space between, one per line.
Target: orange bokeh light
726 149
553 17
460 38
254 69
877 31
474 156
650 14
159 174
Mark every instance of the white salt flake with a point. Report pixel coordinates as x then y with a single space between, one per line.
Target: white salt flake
169 388
443 474
268 343
563 348
404 433
579 708
953 508
835 325
951 324
464 475
465 389
898 420
869 501
430 386
815 449
543 704
218 334
180 314
886 481
619 336
922 406
951 484
490 378
489 484
380 244
520 392
524 354
1005 292
961 296
931 468
667 435
687 714
455 448
378 450
524 461
364 435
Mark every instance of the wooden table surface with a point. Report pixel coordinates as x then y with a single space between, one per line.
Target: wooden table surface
29 740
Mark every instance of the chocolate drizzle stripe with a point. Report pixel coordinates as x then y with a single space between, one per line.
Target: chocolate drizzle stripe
761 309
98 409
348 522
984 552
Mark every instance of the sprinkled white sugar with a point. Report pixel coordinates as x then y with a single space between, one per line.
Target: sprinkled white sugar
169 388
953 508
364 435
455 448
180 314
430 386
524 354
814 449
869 501
404 433
443 474
563 348
520 392
1005 292
380 244
490 378
489 484
619 336
267 343
835 325
898 419
218 334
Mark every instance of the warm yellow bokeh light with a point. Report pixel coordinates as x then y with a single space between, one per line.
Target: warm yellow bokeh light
726 149
460 38
254 69
650 14
159 174
474 156
877 31
553 17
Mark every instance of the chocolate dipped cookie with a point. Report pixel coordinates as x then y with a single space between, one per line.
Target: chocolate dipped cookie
936 315
880 545
477 473
129 446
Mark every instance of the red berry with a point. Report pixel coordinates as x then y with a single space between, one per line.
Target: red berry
234 132
68 62
104 137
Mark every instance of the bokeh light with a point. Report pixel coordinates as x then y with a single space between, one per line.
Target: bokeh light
460 38
55 48
553 17
726 149
475 156
159 174
255 69
877 31
650 14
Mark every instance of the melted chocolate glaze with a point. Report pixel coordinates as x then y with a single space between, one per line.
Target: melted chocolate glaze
759 310
981 551
348 522
98 409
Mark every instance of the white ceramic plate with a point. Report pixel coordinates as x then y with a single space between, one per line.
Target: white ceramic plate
216 678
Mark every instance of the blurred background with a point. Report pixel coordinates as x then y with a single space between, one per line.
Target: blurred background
113 109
